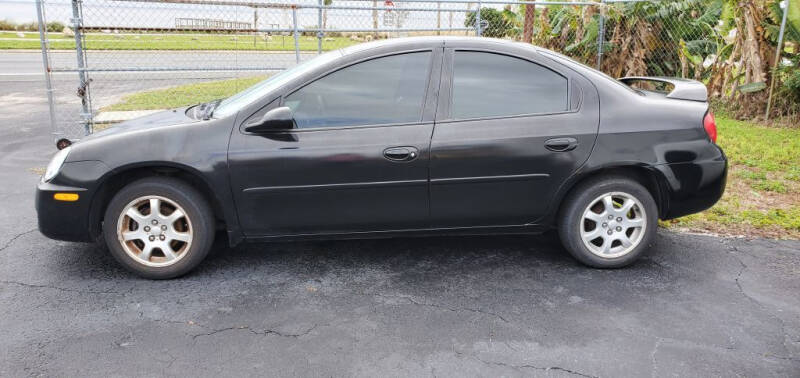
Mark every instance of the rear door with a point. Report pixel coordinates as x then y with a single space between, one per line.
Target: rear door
510 129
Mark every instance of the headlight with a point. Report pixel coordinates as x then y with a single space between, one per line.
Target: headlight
55 164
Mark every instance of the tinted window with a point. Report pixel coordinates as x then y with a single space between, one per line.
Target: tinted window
246 97
486 85
383 90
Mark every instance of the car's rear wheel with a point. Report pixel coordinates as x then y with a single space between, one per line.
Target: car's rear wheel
159 227
608 222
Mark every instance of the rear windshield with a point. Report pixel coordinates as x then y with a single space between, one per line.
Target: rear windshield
569 61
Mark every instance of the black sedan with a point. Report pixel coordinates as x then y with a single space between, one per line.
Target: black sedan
401 137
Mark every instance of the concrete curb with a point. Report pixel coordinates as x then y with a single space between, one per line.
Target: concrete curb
122 116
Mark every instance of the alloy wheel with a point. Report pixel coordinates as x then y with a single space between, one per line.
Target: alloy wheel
613 225
154 231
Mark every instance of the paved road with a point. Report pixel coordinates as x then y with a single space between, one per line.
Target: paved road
108 87
484 306
29 63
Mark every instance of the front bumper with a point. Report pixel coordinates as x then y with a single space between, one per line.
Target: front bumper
63 220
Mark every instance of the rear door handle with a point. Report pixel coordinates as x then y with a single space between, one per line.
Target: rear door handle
400 153
561 144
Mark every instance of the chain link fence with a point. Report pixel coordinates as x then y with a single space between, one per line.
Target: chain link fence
111 49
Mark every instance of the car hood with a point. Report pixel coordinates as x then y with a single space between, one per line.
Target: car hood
153 121
148 134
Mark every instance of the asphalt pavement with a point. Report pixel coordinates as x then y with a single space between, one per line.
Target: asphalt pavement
28 63
469 306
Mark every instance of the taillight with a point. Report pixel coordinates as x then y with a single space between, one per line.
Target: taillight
711 126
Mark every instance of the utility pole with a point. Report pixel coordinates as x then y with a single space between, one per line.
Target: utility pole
438 18
777 57
255 26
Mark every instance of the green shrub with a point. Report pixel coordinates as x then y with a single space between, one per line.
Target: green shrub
7 25
498 26
55 26
29 26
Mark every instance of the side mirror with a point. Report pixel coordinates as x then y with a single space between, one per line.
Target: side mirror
273 120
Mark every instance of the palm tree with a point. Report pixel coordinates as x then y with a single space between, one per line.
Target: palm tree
530 14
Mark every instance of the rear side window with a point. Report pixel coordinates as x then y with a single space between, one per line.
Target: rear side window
379 91
494 85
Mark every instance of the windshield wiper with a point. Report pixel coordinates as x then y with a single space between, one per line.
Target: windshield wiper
211 107
206 109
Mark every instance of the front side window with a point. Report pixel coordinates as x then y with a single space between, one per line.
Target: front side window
379 91
494 85
233 104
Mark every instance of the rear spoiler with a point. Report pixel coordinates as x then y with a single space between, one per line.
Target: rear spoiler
683 89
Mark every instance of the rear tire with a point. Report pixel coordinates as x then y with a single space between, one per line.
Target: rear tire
159 227
608 222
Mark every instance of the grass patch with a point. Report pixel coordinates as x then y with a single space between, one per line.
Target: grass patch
761 198
102 41
183 95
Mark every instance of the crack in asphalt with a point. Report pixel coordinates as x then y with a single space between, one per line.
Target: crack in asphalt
169 362
661 340
653 356
760 305
15 237
443 307
263 332
38 286
528 366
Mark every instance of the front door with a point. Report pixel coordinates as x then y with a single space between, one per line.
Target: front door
357 161
512 131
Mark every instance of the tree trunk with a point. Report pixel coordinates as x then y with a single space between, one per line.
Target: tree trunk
754 67
530 14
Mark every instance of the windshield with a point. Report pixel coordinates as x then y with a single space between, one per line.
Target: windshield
246 97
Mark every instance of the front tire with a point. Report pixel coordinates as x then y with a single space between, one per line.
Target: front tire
608 222
159 227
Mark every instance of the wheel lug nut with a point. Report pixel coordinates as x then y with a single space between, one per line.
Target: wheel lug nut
163 227
610 232
161 237
605 225
155 222
152 238
619 228
619 219
610 217
146 228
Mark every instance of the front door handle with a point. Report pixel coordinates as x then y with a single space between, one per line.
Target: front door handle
400 153
561 144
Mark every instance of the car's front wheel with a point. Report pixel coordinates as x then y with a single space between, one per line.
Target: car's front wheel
608 222
159 227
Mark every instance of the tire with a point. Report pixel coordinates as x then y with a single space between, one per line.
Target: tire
164 245
602 249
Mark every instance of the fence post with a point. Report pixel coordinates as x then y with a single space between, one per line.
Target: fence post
46 62
296 36
83 88
478 20
777 57
320 32
601 34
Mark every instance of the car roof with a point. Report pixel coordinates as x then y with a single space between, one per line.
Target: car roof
595 76
432 41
